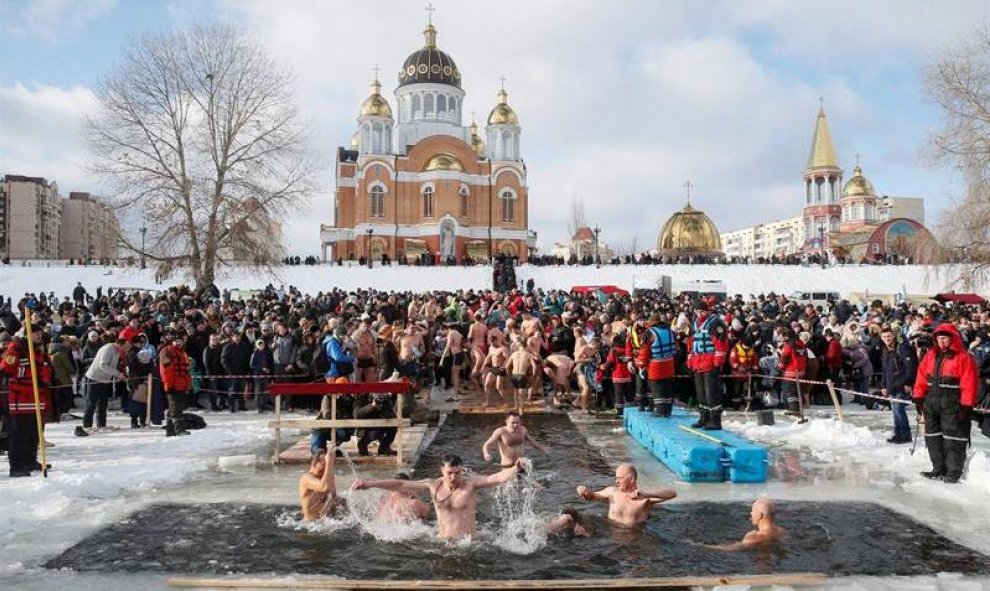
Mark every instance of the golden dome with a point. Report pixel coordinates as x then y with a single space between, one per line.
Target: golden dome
689 231
477 144
376 105
858 185
444 162
503 113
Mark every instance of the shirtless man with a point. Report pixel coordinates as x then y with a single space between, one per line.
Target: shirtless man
455 351
402 505
535 345
493 334
455 497
478 343
410 345
584 359
522 366
559 367
318 490
627 505
364 339
511 439
766 532
494 368
568 523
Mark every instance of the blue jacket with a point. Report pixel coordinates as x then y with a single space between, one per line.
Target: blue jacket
336 354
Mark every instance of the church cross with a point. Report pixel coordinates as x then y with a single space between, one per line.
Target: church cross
687 187
429 10
375 70
501 80
857 158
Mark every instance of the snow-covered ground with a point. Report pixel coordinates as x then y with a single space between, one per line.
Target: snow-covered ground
744 279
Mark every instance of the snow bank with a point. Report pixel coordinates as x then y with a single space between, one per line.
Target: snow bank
744 279
91 475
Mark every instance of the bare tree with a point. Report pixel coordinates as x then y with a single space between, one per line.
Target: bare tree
959 83
577 218
199 135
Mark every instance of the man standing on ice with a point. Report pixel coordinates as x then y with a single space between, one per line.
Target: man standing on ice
706 354
945 390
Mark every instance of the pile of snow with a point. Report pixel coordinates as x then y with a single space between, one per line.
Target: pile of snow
94 475
742 279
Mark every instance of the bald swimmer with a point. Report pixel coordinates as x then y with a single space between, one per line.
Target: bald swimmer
767 531
627 504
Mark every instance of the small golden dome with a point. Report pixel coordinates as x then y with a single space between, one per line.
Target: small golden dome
689 231
858 185
503 113
477 144
376 105
444 162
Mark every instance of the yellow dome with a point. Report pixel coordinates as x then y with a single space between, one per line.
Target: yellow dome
443 162
689 231
477 144
858 185
376 105
503 113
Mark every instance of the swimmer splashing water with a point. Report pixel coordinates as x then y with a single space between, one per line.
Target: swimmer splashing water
455 496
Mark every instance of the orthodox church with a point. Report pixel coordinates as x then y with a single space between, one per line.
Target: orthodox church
417 183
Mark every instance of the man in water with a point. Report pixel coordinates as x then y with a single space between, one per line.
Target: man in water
402 505
568 523
627 504
318 490
511 439
766 532
455 496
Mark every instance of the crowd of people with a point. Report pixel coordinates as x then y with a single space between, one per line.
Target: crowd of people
207 349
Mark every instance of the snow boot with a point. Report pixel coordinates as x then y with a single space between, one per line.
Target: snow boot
169 429
702 418
933 474
134 423
618 409
80 432
658 408
714 421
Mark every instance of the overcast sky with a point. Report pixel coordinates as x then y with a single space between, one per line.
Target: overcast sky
620 101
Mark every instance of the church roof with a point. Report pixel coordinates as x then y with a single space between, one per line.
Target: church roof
822 153
583 233
689 231
429 64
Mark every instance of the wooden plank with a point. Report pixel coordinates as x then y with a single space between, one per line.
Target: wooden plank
792 579
319 388
341 424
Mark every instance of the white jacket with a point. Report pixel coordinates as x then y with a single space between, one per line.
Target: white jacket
106 365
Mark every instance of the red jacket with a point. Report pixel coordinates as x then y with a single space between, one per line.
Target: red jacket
833 354
16 365
618 365
793 359
175 363
744 360
957 363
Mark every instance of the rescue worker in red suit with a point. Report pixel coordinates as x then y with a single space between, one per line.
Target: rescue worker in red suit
176 381
792 364
15 364
617 366
635 345
945 390
707 348
657 356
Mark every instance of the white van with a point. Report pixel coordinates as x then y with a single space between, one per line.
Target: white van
815 298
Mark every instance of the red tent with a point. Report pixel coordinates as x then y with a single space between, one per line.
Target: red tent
959 298
606 289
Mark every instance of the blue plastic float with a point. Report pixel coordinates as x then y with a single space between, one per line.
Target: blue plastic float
693 456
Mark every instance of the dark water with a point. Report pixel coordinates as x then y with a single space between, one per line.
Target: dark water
835 538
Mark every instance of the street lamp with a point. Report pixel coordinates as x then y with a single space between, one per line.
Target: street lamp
144 231
369 231
598 259
821 244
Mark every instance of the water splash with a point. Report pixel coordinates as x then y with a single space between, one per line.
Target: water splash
518 528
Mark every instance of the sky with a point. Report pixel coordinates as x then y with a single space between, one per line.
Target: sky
620 101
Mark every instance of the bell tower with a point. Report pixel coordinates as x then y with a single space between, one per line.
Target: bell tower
822 188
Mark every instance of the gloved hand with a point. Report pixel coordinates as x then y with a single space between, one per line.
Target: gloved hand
965 412
919 404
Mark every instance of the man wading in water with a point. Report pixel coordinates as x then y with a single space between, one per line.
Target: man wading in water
455 497
766 532
511 440
318 490
627 504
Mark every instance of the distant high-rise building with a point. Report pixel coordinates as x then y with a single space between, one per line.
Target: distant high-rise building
90 230
30 217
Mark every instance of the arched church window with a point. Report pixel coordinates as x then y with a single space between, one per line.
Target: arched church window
377 202
441 107
452 105
376 139
507 145
428 202
417 107
465 201
365 138
508 206
428 108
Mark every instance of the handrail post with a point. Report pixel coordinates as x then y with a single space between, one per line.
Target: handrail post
278 429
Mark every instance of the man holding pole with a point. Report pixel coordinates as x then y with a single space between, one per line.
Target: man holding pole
27 399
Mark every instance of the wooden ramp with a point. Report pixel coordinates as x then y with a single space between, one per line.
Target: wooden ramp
791 579
409 439
472 402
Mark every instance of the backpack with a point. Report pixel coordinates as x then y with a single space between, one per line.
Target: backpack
321 363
